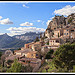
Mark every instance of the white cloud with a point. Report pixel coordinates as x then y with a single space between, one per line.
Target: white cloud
22 30
6 21
26 24
1 17
42 22
67 10
51 18
2 33
38 20
25 6
48 22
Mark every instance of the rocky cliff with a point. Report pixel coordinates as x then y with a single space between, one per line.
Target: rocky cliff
60 22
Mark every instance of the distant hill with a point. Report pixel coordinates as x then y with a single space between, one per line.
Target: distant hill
18 40
28 36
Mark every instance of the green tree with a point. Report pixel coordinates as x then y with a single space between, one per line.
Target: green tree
64 57
15 67
58 35
37 39
0 54
19 48
73 68
48 43
70 20
48 55
27 68
9 61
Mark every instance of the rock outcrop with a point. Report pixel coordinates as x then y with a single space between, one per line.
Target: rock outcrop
59 22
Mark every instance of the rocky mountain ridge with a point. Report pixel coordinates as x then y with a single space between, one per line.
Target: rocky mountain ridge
17 41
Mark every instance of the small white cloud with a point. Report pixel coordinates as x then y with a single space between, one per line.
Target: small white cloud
42 22
38 20
26 24
48 22
6 21
67 10
25 6
22 30
51 18
1 17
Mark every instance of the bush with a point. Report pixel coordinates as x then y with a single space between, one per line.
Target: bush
48 55
9 61
70 20
64 57
15 67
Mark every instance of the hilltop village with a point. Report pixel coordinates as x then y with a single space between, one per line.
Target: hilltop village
34 53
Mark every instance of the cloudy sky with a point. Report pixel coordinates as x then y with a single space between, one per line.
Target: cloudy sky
20 17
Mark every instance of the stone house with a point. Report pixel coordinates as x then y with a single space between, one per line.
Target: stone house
29 45
23 48
58 32
33 62
54 41
69 32
27 53
37 46
48 33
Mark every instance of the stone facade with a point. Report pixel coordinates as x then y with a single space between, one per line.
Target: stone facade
27 53
69 32
58 33
55 42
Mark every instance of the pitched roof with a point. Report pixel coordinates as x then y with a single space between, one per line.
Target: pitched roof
69 27
12 57
26 51
31 59
54 38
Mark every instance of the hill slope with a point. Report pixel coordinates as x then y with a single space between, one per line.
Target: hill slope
14 42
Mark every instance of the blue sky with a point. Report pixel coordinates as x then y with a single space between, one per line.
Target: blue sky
18 18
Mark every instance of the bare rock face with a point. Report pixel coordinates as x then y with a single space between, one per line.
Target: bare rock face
71 19
60 22
57 22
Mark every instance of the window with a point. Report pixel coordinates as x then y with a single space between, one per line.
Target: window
50 41
36 54
23 60
71 36
67 33
46 47
72 30
64 33
32 54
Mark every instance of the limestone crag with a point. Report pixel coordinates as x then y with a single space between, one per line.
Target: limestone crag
59 22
